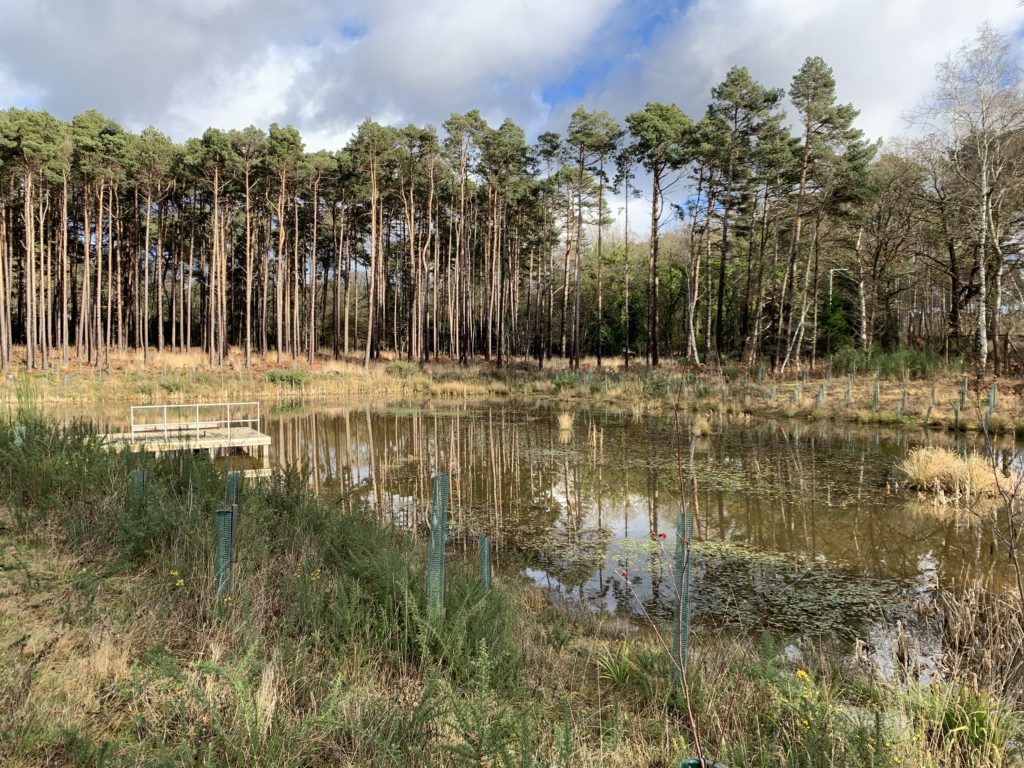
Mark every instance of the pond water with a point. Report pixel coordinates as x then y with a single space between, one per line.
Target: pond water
798 527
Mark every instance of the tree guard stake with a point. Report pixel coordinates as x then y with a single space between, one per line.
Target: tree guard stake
225 540
436 548
681 568
485 561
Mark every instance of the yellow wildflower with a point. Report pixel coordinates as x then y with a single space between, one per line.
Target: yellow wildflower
179 583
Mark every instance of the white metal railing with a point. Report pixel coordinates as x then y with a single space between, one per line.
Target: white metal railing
191 419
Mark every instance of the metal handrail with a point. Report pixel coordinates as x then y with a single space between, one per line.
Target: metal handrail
198 424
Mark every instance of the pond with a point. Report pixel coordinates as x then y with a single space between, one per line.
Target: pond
798 527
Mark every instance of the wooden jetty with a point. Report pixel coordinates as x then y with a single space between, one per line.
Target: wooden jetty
223 429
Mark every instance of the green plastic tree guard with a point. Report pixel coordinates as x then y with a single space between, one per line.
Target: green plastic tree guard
234 481
485 561
436 548
137 496
222 566
681 569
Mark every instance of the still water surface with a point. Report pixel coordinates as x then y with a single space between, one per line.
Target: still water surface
798 527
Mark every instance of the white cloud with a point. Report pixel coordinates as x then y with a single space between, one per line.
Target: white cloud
446 45
256 93
206 9
883 52
132 59
185 66
424 60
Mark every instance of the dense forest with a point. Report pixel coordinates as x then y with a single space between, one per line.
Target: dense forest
773 232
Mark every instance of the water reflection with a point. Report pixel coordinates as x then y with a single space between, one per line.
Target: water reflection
581 507
575 507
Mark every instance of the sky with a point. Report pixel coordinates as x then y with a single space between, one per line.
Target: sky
324 66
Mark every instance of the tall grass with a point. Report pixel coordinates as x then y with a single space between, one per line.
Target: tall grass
315 582
940 469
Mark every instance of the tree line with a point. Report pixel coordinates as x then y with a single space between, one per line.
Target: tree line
763 243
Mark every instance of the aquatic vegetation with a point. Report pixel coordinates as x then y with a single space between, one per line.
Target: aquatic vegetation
789 595
940 469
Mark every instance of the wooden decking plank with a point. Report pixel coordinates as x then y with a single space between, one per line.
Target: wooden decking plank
239 437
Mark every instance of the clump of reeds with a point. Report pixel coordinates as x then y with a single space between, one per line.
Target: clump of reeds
636 411
565 421
983 635
701 425
940 469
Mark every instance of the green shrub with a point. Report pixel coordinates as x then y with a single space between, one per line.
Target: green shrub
566 381
291 377
174 384
403 369
655 383
918 364
968 726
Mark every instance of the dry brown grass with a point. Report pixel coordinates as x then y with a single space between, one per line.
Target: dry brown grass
636 411
984 634
59 669
943 470
172 377
892 408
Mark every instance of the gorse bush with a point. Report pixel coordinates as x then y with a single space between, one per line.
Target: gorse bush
655 383
290 377
915 363
565 381
403 369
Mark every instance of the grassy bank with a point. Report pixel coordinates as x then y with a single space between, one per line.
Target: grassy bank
117 651
905 389
186 377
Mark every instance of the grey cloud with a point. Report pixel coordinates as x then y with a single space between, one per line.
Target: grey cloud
125 57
